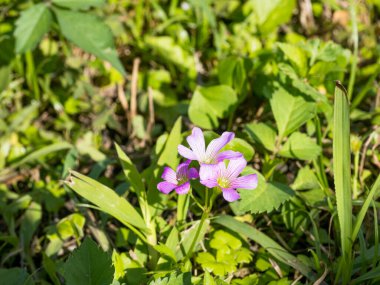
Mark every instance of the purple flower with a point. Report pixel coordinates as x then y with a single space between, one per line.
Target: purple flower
210 156
177 180
226 178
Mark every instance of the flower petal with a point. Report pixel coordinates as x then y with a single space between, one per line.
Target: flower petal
246 182
217 144
230 194
182 170
228 154
235 167
210 183
208 171
183 188
193 173
197 143
186 153
166 187
169 175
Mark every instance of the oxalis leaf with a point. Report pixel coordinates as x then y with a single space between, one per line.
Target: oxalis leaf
267 197
88 265
31 26
90 34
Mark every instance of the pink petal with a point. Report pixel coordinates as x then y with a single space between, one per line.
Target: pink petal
186 153
217 144
208 171
166 187
193 173
228 154
230 194
183 189
210 183
246 182
235 167
169 175
197 142
182 169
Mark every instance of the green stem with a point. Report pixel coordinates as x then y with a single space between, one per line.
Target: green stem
355 38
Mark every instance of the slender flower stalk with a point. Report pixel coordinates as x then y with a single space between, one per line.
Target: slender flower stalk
226 178
207 157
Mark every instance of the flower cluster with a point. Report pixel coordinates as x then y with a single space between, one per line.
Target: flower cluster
217 168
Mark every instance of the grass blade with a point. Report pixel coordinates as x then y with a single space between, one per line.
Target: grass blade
342 174
107 200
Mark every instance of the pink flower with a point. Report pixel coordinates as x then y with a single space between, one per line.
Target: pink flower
226 178
210 156
177 180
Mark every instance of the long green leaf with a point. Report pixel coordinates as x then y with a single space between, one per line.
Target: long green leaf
266 242
359 220
342 174
106 199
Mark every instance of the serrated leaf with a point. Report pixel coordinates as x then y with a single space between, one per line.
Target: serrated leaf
267 197
78 4
31 27
209 104
90 34
88 265
290 112
300 146
296 56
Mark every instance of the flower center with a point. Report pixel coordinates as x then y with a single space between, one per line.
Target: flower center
223 182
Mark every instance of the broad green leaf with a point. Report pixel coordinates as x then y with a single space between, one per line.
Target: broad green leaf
31 27
296 56
264 241
305 180
271 14
88 265
106 199
262 134
209 104
170 51
300 146
15 276
78 4
290 112
342 169
89 33
241 146
265 198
